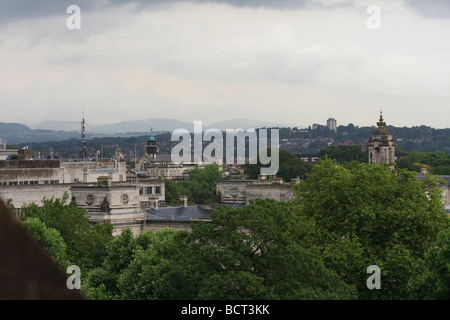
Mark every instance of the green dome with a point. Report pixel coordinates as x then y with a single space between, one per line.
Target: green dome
151 138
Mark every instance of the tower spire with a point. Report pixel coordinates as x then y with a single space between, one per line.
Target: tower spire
151 145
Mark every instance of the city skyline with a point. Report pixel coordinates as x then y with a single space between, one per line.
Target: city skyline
286 62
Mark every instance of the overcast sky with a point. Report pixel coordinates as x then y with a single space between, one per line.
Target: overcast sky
286 61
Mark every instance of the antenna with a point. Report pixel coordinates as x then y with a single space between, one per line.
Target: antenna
83 137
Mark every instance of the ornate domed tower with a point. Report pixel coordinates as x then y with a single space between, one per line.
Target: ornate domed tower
381 146
151 146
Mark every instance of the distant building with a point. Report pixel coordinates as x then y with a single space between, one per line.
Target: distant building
101 186
308 157
6 153
237 193
119 204
381 145
153 165
332 124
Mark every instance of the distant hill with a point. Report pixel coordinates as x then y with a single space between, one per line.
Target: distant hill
245 124
157 124
57 125
7 128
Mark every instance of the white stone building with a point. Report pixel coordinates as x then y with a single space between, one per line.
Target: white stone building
238 193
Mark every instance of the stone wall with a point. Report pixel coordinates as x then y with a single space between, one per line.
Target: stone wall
240 192
26 194
278 192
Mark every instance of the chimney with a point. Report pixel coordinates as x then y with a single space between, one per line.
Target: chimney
183 201
104 182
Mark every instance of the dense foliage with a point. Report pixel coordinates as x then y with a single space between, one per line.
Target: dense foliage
377 216
199 186
64 230
436 162
289 167
344 154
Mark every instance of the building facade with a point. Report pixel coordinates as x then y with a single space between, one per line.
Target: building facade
332 124
155 166
237 193
6 153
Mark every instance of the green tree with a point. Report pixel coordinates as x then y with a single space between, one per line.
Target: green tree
289 167
50 240
387 217
100 235
156 271
145 267
200 186
173 191
83 243
437 162
431 280
101 282
261 251
344 154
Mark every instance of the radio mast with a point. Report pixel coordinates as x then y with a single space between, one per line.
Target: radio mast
83 138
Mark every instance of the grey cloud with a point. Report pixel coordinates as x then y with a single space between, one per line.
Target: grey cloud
11 11
29 9
431 8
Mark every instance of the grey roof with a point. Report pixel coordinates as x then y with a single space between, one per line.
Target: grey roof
180 213
163 157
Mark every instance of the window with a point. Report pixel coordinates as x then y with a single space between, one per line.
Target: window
149 190
158 190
